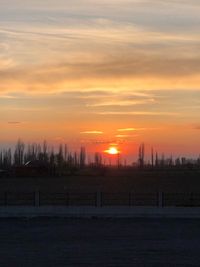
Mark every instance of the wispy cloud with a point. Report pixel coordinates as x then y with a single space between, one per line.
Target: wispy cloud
14 122
122 135
122 103
142 113
74 65
91 132
150 55
130 129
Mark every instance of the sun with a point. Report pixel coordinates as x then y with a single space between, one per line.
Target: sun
112 150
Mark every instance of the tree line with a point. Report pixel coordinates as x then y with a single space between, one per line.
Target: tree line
157 161
23 154
64 159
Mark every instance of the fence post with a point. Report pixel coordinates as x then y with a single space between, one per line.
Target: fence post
37 198
160 199
98 199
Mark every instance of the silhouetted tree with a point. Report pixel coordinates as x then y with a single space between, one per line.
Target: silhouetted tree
97 159
76 160
45 151
19 153
82 157
65 152
177 161
171 161
141 155
60 160
157 160
52 163
152 157
6 159
162 162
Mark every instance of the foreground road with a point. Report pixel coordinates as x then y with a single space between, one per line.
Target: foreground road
99 242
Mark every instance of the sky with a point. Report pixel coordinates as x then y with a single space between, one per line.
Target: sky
96 72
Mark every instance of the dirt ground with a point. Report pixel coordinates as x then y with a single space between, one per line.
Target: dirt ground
124 181
99 242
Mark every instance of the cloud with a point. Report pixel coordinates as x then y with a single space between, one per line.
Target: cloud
76 108
122 135
122 103
92 132
98 51
14 122
139 113
126 129
6 63
101 142
126 71
130 129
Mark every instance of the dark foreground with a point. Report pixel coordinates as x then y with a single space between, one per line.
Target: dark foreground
99 242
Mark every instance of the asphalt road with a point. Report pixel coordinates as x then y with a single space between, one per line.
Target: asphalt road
99 242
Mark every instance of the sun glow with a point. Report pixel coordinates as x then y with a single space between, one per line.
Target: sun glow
112 151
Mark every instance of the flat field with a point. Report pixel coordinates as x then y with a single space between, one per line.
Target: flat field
174 181
99 242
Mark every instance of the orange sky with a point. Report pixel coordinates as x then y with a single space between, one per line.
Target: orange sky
97 72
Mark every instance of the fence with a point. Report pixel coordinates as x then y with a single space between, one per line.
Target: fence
99 199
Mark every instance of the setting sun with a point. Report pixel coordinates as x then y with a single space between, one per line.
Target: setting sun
112 151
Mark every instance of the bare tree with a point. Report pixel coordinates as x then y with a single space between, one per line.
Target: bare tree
141 155
65 152
97 159
152 157
19 153
45 151
82 157
6 159
157 160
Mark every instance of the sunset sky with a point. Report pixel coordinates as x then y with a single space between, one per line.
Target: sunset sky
96 72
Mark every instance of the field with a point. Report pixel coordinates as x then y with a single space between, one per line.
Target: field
180 187
112 181
99 242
